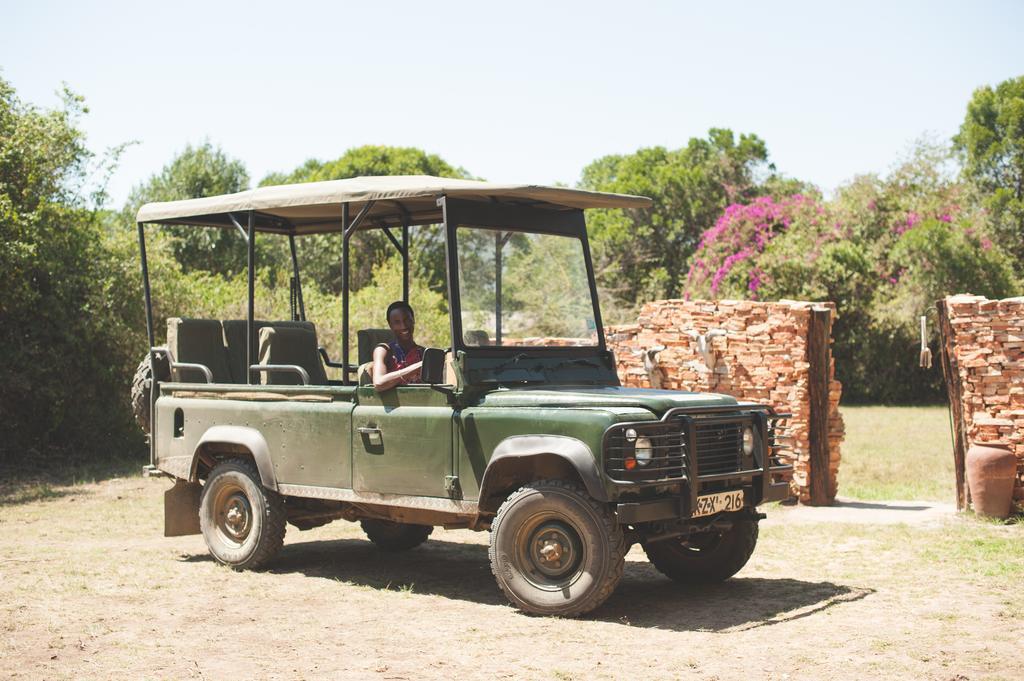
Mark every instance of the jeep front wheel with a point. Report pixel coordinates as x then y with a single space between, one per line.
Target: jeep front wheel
705 557
242 522
556 551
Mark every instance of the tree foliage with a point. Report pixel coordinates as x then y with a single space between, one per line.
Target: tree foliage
883 250
642 254
321 255
196 172
65 322
991 145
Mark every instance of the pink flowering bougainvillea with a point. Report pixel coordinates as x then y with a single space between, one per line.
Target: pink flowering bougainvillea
731 246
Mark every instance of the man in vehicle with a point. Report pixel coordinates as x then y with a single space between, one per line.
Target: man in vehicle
399 361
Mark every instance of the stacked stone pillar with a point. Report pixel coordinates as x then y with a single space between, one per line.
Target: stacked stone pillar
983 345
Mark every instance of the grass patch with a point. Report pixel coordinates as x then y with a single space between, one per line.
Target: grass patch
897 453
980 549
962 548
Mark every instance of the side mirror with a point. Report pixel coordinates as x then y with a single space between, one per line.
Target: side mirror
432 371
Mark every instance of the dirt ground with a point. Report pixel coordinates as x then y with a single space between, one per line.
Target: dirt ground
90 589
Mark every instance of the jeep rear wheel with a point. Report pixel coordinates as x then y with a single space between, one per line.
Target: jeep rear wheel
705 556
556 551
392 536
242 522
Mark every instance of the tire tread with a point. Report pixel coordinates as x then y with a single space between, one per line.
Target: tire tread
140 395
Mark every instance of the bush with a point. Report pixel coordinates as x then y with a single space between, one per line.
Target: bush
883 250
726 261
65 323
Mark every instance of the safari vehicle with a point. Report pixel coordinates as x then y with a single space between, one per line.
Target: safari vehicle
520 427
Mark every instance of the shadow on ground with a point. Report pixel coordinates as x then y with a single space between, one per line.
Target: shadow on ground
27 492
644 598
42 479
879 505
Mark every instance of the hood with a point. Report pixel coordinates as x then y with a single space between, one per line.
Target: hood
657 401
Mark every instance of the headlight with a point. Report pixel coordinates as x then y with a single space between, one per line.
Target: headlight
748 440
643 450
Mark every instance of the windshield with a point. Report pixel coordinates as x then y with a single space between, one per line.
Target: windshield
524 289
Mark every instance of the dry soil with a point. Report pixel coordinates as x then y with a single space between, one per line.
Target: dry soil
90 589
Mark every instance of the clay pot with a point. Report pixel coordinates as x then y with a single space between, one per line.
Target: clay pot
991 469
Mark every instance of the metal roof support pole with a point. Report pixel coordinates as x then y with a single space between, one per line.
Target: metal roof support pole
591 278
344 293
145 287
349 231
149 335
499 243
451 264
295 273
250 322
405 259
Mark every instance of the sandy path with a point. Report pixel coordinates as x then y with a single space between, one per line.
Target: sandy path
928 513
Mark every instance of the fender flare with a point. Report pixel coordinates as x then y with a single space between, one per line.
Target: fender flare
518 450
247 438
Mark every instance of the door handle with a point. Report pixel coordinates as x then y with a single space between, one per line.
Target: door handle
372 434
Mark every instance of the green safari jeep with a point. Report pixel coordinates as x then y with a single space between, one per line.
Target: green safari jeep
520 427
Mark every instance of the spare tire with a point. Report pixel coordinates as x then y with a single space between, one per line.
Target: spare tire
142 384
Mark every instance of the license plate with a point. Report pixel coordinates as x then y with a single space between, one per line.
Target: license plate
709 504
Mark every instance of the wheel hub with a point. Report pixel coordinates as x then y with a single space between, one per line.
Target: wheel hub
235 516
554 549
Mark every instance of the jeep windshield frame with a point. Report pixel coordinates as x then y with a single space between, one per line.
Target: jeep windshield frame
462 215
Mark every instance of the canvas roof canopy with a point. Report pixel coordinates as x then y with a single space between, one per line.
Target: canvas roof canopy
315 207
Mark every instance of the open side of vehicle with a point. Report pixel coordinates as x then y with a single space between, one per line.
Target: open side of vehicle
521 426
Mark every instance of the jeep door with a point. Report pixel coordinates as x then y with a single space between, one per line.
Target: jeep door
402 441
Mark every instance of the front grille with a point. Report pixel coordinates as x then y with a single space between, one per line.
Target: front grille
719 447
716 440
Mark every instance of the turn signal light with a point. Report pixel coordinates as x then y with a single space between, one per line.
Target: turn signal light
630 464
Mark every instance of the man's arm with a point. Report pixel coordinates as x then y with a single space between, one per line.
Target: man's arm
382 378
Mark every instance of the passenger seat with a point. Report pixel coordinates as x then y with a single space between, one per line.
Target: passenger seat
234 334
295 346
197 341
368 339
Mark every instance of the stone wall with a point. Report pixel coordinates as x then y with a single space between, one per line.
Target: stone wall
762 357
988 344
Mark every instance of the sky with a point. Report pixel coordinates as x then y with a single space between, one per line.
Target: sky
512 92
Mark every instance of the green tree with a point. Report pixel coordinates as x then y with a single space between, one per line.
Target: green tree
937 258
991 145
199 171
642 254
66 325
321 255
